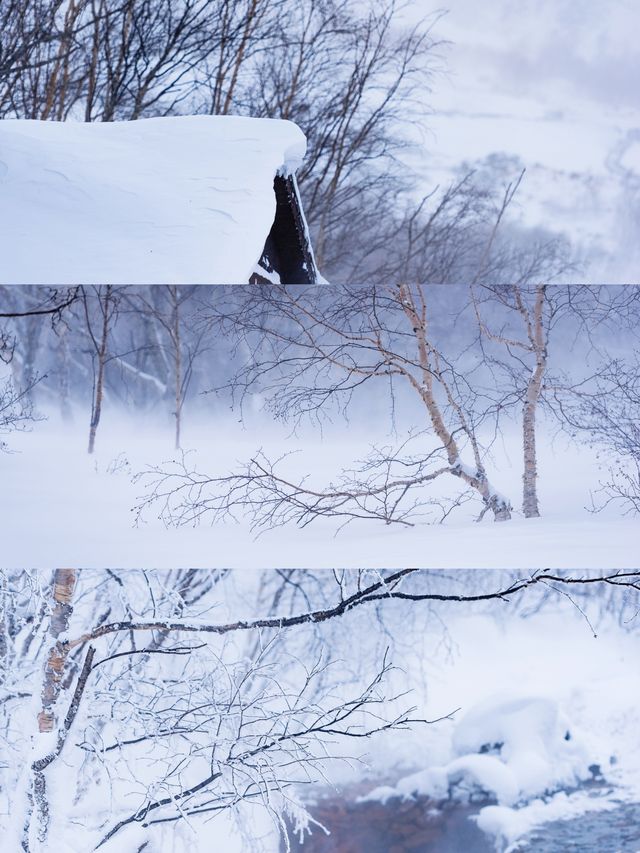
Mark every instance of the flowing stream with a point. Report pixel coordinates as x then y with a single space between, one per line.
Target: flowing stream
420 826
614 831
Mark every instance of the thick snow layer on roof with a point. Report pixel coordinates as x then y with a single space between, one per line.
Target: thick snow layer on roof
162 200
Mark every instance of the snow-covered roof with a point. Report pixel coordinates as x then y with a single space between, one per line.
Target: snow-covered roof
161 200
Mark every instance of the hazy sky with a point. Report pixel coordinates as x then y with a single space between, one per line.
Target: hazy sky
553 85
548 49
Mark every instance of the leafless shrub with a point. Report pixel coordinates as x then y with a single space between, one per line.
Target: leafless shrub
17 412
609 414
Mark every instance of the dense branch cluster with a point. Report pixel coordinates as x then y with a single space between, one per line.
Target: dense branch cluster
351 78
521 352
148 686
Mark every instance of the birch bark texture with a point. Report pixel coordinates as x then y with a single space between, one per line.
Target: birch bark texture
64 583
534 341
430 365
37 817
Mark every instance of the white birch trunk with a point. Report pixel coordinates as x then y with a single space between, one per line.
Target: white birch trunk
530 505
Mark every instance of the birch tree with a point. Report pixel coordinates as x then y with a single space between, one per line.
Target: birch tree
180 343
536 318
225 728
36 824
539 330
310 351
98 327
353 78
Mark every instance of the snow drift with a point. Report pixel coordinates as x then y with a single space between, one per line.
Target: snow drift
510 747
515 749
160 200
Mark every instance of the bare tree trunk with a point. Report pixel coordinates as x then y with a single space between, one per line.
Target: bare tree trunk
530 506
37 795
96 409
177 344
4 627
64 582
63 383
33 335
428 360
92 68
533 342
246 36
534 386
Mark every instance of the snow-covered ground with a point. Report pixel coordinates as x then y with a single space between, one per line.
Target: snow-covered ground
60 506
545 86
161 200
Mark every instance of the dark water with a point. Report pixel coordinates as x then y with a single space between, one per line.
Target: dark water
417 827
615 831
399 826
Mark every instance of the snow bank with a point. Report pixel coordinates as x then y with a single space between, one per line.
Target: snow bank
507 825
162 200
551 653
467 773
532 738
512 748
97 492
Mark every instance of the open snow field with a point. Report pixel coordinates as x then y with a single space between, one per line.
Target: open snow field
60 506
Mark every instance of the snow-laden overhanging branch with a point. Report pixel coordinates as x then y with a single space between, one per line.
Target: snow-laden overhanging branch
386 589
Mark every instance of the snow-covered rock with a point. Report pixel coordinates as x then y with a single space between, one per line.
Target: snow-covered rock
510 748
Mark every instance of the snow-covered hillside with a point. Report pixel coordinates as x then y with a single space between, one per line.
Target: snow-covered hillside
548 87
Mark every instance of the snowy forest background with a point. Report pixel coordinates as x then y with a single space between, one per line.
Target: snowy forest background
419 123
301 412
